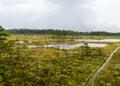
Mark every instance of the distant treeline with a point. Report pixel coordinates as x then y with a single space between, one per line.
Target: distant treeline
60 32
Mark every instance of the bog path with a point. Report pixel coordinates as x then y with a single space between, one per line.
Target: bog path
99 70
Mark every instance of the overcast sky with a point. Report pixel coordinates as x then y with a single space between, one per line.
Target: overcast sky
80 15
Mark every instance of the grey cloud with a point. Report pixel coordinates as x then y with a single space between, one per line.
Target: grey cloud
72 14
63 14
16 2
69 2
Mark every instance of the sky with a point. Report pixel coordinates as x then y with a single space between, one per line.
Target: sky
77 15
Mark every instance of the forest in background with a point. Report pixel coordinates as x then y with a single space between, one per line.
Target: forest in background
61 32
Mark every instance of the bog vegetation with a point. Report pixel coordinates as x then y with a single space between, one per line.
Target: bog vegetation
110 76
44 66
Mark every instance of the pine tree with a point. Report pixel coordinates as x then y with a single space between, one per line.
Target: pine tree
4 43
4 48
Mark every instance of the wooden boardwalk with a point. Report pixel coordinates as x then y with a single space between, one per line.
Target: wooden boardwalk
99 70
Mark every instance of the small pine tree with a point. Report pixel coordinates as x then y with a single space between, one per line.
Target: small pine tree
3 48
4 43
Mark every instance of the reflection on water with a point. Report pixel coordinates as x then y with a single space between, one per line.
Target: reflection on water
69 46
19 42
33 46
92 40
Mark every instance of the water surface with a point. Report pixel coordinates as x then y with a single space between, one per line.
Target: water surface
69 46
93 40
